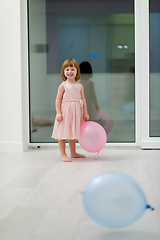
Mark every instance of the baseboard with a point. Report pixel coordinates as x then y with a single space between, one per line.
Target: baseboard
151 144
13 147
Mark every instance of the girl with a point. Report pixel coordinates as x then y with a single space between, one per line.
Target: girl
71 109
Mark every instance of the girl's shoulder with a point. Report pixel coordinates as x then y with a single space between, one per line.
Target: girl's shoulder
80 84
61 86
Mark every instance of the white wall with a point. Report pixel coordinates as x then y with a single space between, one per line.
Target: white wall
13 84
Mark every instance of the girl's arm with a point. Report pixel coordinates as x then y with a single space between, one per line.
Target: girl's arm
85 113
58 102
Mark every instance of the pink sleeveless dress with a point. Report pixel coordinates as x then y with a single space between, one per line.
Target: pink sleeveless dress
72 112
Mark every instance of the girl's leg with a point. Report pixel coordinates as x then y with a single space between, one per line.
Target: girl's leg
62 148
72 146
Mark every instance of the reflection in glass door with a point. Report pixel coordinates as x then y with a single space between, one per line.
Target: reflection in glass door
154 35
101 34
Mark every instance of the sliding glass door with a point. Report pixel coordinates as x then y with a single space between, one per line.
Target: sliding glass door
98 32
154 53
120 42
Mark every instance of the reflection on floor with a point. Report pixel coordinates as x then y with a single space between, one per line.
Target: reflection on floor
41 196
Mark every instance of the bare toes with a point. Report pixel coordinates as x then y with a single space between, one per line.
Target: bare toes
77 155
65 159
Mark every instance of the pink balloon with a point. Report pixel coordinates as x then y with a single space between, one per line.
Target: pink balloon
106 121
92 137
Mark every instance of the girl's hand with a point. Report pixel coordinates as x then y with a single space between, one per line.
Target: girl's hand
86 117
59 117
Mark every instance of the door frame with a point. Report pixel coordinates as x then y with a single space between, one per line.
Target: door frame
142 138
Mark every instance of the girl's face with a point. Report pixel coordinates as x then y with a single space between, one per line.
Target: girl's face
70 72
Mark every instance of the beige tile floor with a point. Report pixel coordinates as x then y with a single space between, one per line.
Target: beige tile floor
41 199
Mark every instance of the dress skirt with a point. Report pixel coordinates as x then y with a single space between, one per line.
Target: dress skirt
72 118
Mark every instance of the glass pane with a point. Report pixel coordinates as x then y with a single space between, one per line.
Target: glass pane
154 35
100 33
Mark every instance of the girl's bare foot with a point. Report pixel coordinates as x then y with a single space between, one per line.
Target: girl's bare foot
65 159
77 155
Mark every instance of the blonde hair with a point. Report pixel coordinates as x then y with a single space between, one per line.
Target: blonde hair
70 63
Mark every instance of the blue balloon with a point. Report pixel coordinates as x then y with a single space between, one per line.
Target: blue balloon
114 200
128 110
